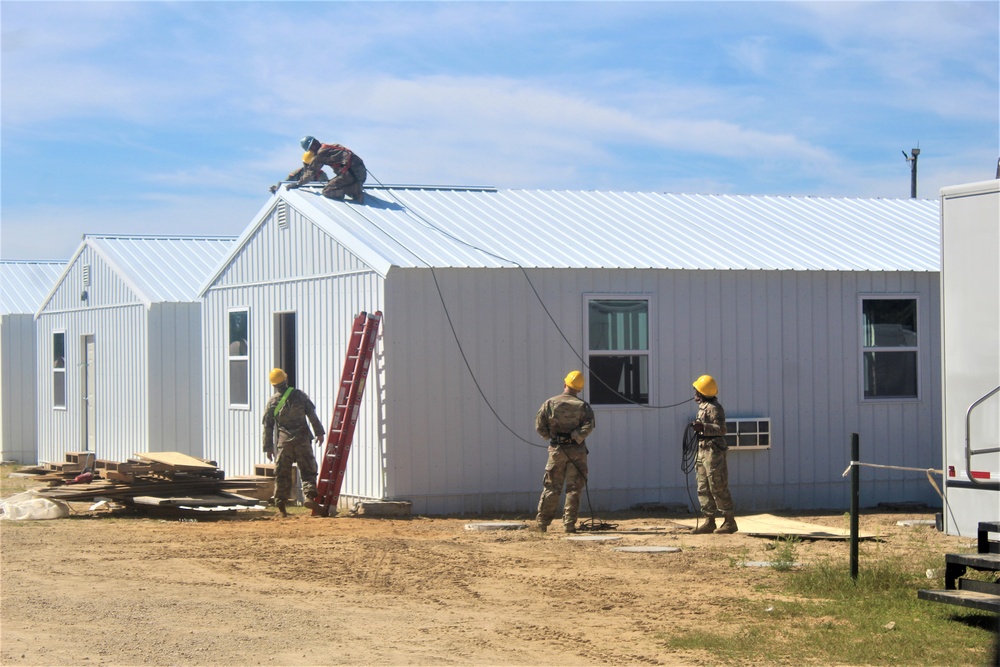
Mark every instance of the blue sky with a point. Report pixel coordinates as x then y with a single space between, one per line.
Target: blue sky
174 118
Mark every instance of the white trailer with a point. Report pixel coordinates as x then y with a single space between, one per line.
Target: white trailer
970 322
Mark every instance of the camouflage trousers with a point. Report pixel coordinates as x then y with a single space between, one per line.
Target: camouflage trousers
349 183
296 452
712 473
567 464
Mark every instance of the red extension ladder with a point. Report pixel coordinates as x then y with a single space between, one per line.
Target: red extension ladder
345 413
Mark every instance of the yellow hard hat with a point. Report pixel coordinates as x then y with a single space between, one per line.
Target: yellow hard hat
574 380
706 385
277 376
307 157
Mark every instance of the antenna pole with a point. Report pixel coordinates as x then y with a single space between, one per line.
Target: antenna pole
913 171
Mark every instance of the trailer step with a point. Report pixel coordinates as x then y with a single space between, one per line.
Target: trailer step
964 598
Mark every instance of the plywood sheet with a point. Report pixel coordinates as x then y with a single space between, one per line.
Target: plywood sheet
175 459
768 525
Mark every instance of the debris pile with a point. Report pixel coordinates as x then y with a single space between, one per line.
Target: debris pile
150 480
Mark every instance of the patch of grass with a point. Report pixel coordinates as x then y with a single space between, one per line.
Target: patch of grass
785 553
11 485
821 616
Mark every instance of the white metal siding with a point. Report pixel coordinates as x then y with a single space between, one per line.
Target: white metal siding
17 389
297 269
176 406
784 345
120 335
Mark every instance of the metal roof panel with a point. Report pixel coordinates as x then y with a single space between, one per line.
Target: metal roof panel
440 227
24 284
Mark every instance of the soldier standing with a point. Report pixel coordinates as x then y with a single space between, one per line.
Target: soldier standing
349 172
565 421
290 412
711 469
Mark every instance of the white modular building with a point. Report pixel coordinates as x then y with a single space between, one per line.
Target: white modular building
970 302
119 347
23 285
819 317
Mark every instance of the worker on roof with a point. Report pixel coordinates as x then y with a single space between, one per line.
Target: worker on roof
565 421
306 173
710 465
288 440
349 173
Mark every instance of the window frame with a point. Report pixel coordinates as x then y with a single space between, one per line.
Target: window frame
761 433
865 349
650 357
237 358
59 372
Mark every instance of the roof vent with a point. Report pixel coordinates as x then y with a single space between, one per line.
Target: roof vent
282 215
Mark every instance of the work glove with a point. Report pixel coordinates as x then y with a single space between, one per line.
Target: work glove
319 439
269 452
273 189
577 438
698 427
292 186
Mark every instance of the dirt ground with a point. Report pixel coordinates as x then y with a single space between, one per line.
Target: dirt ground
106 590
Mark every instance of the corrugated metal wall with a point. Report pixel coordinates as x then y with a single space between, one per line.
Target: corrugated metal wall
784 345
118 322
176 404
293 267
18 426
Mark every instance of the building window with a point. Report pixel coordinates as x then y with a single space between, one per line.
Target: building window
748 433
239 357
618 350
59 369
889 347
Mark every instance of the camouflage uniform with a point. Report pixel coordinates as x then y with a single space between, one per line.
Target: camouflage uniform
565 420
349 172
710 466
294 441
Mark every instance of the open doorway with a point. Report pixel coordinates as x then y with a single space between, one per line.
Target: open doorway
285 345
88 370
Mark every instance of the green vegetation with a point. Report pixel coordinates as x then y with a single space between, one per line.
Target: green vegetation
819 616
11 485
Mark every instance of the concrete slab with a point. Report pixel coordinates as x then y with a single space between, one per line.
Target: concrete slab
496 525
649 550
766 563
593 538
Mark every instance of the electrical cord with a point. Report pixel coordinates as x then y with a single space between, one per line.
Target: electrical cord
417 216
591 524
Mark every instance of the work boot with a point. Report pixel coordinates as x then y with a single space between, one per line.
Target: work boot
281 507
312 505
569 527
539 527
729 525
707 527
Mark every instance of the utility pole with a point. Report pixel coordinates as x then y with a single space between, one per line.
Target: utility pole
913 171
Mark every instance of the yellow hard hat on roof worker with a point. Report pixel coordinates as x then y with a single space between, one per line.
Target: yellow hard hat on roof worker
277 376
706 386
574 380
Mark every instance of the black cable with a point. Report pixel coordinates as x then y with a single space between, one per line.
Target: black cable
587 525
408 211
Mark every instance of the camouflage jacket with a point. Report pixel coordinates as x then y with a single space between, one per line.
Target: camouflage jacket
292 421
711 414
565 415
338 158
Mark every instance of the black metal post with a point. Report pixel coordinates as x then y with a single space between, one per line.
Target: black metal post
913 173
855 486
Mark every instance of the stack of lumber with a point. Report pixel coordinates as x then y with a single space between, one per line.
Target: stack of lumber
165 479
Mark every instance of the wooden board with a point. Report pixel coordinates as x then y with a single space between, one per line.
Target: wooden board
175 459
768 525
